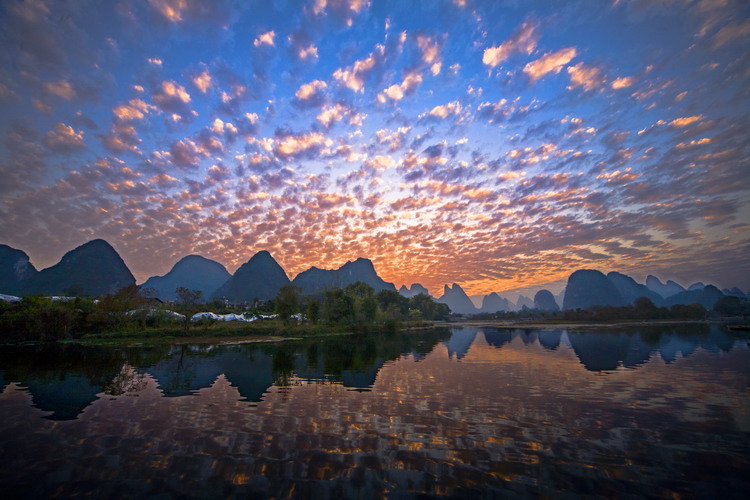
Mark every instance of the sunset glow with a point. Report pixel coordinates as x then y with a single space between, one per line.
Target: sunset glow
493 144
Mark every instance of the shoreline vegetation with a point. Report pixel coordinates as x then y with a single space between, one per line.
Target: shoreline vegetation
127 317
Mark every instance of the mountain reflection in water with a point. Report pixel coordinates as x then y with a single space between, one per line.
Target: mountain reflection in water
467 412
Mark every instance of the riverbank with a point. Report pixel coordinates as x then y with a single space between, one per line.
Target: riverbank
572 325
234 333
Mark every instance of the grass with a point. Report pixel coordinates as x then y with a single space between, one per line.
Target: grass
225 332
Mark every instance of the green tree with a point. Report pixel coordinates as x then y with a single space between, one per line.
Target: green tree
338 307
359 290
428 308
313 311
389 299
368 310
287 302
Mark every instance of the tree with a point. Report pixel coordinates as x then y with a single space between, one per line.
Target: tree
338 307
150 292
428 308
313 312
645 308
287 302
359 290
388 299
732 306
368 309
188 301
189 298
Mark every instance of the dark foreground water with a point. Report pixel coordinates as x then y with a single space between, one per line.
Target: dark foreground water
472 413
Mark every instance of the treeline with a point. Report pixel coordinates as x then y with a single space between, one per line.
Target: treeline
47 319
642 309
358 305
130 313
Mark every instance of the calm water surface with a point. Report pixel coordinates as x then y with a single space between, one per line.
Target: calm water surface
468 413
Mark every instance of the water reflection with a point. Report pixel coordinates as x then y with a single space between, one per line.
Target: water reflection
469 413
66 379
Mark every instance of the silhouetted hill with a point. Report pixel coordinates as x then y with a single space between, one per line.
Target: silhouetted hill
92 269
15 270
524 301
696 286
665 290
260 278
706 297
492 303
735 292
587 288
192 272
316 280
415 290
630 290
457 300
545 301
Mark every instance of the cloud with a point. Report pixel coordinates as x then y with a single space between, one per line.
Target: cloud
503 110
588 77
533 183
172 97
203 81
217 12
622 82
685 121
397 92
443 111
186 153
170 9
135 109
292 146
338 112
551 62
265 39
730 33
122 137
64 139
62 89
430 53
343 11
354 76
309 52
311 94
524 40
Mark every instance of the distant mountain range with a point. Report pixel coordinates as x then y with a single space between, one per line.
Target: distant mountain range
192 272
95 268
315 280
259 278
415 290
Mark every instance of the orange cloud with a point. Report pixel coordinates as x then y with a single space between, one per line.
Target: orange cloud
551 62
622 82
266 38
310 90
685 121
588 77
523 40
63 138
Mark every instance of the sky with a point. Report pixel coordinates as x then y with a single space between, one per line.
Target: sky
494 144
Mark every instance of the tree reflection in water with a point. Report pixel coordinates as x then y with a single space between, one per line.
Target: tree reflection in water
465 412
